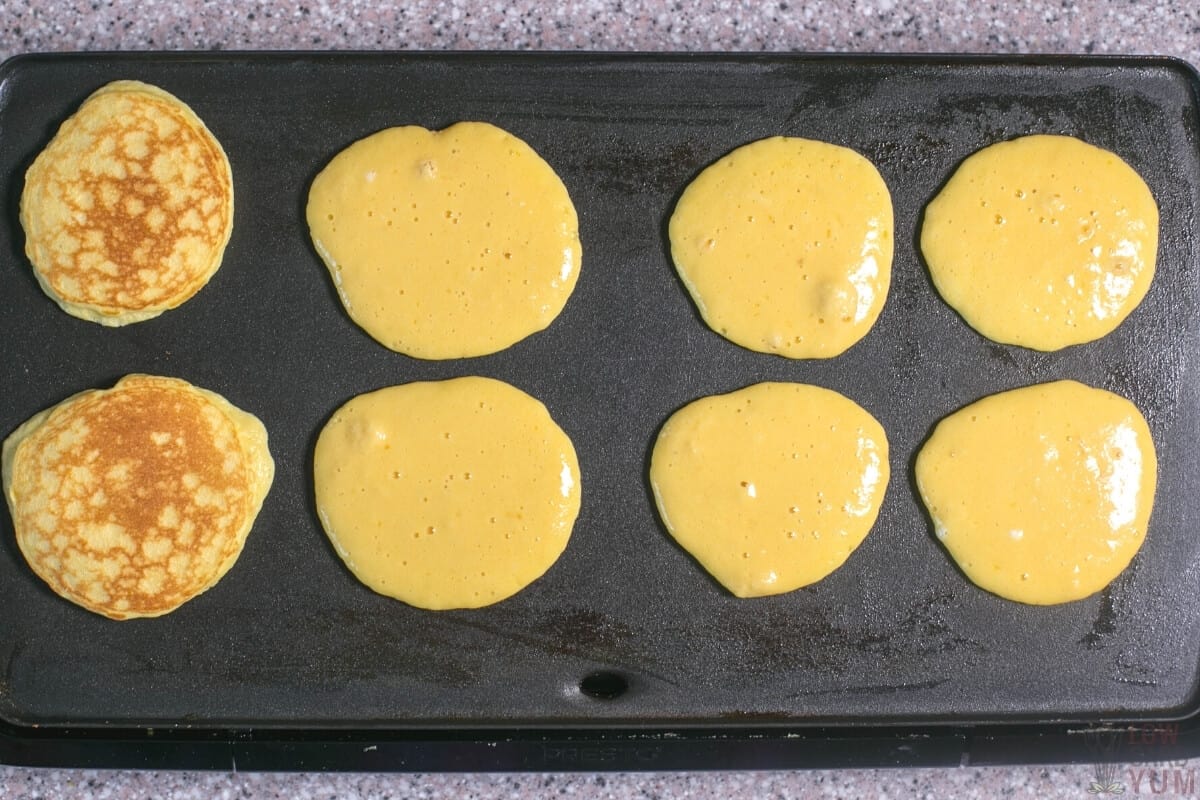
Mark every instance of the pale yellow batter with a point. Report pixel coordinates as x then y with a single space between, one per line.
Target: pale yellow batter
453 494
771 487
786 246
446 244
1042 494
1043 241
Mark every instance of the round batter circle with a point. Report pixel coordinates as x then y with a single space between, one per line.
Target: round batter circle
770 487
1042 241
447 494
1042 494
785 245
446 244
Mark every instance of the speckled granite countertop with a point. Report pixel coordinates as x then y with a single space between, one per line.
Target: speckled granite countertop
1025 26
1166 27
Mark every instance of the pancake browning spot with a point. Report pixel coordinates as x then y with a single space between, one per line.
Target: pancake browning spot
128 210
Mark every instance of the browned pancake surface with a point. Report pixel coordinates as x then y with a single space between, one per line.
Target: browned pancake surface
133 500
130 206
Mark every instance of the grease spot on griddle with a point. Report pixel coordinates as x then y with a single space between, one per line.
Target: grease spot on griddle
628 167
581 630
1105 623
778 640
851 89
1132 669
902 153
1152 380
572 632
923 630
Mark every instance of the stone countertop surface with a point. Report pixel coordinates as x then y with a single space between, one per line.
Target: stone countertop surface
1160 27
1169 27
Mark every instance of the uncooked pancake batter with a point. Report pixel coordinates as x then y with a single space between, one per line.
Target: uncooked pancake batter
1041 494
451 494
771 487
446 244
785 245
1043 241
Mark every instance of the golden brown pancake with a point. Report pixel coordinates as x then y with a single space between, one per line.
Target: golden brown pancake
128 209
133 500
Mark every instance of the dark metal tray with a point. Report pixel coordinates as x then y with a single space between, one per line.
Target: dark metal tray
898 643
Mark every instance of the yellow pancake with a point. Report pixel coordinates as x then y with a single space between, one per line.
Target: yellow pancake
785 245
1043 241
128 209
451 494
771 487
1043 494
131 501
446 244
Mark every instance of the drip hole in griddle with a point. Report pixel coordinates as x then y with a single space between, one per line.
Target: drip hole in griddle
603 685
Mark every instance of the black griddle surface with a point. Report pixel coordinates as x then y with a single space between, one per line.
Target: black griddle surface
898 635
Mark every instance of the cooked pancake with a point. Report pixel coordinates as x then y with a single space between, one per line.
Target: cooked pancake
132 500
128 209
